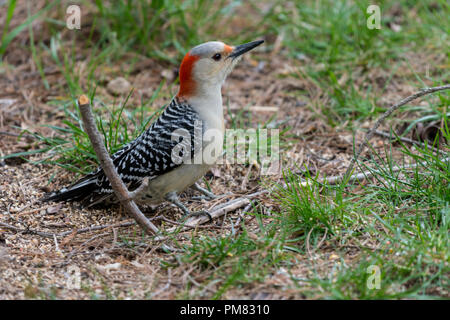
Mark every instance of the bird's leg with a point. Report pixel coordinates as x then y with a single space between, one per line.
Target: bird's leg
173 198
208 195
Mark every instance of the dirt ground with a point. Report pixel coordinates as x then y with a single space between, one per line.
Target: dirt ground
34 263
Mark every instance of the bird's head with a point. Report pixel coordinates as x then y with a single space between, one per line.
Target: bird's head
207 65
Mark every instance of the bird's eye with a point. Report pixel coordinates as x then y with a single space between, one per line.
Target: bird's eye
217 56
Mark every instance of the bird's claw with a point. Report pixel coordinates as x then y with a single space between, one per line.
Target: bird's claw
198 214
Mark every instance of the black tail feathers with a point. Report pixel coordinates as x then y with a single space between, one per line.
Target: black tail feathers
77 192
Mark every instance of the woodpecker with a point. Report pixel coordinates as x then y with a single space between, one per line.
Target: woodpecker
196 109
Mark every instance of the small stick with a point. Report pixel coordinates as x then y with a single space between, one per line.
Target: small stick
388 112
95 228
26 230
65 233
404 139
366 174
56 244
223 209
121 191
394 138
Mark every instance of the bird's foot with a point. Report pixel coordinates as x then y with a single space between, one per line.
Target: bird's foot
207 195
173 198
199 213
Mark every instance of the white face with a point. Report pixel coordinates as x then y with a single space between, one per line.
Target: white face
214 64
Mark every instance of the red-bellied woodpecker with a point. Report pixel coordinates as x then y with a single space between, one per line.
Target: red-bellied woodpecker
157 154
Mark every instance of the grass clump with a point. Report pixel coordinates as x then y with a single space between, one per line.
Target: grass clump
399 220
71 149
152 27
237 259
338 52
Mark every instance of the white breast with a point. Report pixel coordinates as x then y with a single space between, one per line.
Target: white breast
179 179
176 180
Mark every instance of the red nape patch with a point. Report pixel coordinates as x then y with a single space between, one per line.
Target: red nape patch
187 83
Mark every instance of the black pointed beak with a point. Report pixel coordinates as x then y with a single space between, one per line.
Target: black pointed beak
243 48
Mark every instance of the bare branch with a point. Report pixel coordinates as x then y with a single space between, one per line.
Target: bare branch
222 210
368 174
218 212
107 165
406 140
26 230
388 112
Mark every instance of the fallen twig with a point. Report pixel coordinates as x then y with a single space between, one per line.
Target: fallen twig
26 230
221 210
66 233
121 191
367 174
167 286
100 227
394 138
182 224
216 213
388 112
406 140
